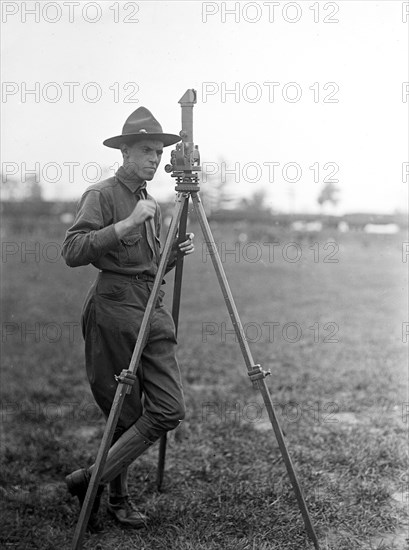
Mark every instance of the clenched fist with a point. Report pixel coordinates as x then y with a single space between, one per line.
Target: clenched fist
144 210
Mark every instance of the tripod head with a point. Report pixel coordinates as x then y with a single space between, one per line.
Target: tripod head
185 159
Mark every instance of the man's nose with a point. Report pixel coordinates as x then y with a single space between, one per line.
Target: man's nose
154 158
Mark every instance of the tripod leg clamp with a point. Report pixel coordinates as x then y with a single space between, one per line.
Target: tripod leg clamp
257 372
126 377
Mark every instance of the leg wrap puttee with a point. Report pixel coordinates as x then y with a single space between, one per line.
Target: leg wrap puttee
118 487
129 446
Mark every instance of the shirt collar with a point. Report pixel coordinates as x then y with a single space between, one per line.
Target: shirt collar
129 180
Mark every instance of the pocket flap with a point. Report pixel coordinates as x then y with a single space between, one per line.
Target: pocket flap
130 240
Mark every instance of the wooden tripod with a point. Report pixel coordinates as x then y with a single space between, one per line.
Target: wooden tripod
184 167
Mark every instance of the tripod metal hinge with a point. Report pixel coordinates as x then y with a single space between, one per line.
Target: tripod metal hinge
257 372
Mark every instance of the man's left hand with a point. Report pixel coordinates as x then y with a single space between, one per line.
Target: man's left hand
187 247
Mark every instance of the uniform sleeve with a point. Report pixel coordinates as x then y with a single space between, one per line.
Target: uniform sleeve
90 237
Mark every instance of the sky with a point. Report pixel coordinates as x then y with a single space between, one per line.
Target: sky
290 95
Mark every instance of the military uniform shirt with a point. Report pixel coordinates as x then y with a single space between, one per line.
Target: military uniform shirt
93 239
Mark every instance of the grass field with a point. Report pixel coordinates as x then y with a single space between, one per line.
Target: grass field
331 333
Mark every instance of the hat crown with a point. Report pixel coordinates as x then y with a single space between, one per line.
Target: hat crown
141 121
141 124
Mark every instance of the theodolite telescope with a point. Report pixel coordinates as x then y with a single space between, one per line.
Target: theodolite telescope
185 159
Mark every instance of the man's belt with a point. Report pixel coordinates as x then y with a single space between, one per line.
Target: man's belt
132 276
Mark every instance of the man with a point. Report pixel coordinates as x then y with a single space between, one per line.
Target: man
117 229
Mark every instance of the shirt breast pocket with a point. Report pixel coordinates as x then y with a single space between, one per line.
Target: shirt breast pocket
130 249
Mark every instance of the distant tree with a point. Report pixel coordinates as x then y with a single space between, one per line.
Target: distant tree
328 194
9 187
256 203
16 190
215 190
34 190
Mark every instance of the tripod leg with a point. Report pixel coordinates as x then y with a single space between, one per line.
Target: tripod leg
177 290
255 373
161 461
123 385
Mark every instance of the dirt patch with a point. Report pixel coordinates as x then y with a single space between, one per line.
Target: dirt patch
31 497
345 418
392 541
402 497
262 425
87 432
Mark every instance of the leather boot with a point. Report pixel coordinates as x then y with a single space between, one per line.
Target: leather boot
125 450
125 512
77 483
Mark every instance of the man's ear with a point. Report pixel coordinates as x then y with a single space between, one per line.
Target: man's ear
125 151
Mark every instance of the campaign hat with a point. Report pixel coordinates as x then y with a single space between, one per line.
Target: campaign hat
141 124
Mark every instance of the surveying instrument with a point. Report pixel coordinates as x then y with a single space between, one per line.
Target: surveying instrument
184 167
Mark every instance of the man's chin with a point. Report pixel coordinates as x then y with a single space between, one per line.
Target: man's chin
149 174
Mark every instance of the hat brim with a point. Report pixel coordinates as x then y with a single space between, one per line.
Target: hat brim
116 141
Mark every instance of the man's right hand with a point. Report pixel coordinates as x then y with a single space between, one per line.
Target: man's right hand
144 210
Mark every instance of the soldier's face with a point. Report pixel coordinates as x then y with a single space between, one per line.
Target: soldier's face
143 158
